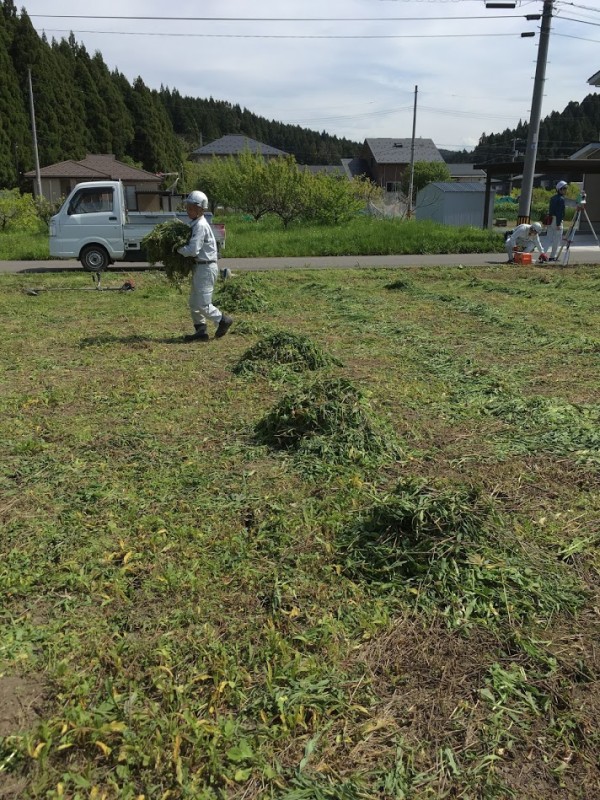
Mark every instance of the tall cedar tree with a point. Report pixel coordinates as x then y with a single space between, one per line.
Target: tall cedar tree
155 144
15 133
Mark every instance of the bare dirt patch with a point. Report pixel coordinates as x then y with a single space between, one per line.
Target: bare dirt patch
21 700
424 674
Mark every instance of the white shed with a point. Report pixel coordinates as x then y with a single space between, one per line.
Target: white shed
454 203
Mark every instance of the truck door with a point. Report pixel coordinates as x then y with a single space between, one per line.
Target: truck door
94 215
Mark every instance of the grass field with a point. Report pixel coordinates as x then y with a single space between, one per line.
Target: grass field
350 551
363 236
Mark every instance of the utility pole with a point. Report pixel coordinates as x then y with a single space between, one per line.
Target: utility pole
513 157
409 210
38 175
534 120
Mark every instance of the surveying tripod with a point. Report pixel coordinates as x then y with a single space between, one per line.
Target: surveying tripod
573 228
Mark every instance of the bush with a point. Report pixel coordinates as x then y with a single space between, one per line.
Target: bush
45 209
17 211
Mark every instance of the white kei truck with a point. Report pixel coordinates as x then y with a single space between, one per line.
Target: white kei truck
95 227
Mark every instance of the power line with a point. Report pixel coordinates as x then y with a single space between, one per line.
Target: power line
581 21
579 5
291 36
384 112
580 38
362 115
272 19
456 112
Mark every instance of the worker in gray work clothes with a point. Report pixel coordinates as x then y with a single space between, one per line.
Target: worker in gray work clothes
556 210
202 247
526 238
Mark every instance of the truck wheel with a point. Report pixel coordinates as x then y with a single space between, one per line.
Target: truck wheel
94 258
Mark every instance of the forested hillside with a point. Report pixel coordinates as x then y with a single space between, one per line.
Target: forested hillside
561 134
84 107
81 106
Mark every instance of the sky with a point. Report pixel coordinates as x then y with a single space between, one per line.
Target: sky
353 68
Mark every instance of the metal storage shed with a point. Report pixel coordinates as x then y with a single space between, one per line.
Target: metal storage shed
454 203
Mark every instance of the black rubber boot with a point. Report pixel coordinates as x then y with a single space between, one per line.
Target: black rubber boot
200 335
224 325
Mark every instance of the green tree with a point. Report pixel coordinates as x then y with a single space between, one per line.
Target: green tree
59 111
238 182
118 117
425 172
287 189
155 143
15 138
77 63
334 199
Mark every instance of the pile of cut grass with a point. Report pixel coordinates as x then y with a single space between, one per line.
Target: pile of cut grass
161 244
330 419
292 350
240 295
448 548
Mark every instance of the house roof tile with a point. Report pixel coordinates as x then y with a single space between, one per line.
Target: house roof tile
591 150
354 167
235 143
67 169
465 171
398 151
458 187
95 167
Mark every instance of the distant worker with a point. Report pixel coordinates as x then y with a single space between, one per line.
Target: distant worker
202 247
524 238
556 210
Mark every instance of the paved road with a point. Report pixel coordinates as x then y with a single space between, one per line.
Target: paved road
585 250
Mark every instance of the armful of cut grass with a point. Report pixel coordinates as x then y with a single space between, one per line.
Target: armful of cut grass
161 246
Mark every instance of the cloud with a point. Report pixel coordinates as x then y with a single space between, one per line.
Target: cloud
474 75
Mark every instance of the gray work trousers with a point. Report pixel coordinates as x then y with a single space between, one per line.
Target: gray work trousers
204 277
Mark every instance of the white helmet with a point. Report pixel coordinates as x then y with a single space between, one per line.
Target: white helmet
197 198
561 185
535 226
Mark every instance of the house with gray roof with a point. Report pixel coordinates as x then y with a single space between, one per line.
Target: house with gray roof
234 144
466 173
141 187
385 161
